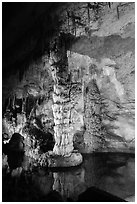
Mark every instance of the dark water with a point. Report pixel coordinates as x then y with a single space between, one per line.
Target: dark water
111 172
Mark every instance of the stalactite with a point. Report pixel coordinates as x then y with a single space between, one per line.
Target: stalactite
83 93
33 110
68 21
88 13
13 102
109 4
24 105
118 11
8 105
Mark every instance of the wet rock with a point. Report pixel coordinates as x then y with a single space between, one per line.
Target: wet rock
59 161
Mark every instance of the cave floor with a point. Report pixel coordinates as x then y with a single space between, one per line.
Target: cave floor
112 172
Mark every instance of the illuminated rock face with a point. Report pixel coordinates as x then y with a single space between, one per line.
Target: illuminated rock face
90 136
63 130
61 112
108 100
94 134
63 127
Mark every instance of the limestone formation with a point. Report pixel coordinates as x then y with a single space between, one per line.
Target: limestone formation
74 159
94 134
63 126
68 88
83 89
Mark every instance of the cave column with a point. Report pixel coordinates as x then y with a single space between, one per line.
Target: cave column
63 129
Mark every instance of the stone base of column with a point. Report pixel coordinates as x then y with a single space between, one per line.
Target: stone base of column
61 161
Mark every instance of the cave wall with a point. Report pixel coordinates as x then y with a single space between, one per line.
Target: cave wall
101 64
108 111
112 53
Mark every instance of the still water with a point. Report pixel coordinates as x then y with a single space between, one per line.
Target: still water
111 172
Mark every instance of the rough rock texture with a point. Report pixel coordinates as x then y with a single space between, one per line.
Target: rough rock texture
87 104
61 109
94 134
63 128
91 100
11 126
111 51
108 111
74 159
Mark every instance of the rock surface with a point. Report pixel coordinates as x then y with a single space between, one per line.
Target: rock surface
94 109
65 161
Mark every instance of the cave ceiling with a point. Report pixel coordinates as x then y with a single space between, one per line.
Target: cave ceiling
26 31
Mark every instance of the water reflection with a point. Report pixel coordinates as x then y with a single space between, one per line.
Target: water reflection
112 172
70 184
43 181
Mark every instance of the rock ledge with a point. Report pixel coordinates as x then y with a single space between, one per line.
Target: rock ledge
61 161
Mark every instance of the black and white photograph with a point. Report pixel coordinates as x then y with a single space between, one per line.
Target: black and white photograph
68 101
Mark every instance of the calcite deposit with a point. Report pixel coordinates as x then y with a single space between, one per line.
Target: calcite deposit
81 93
